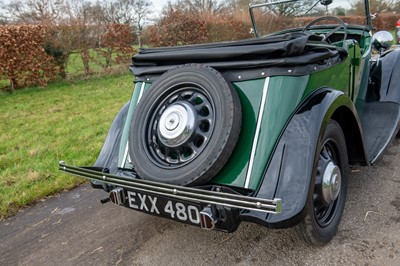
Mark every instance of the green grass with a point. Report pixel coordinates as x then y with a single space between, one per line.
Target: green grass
75 65
41 126
75 68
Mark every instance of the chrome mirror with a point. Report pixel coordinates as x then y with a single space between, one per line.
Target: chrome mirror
382 41
325 2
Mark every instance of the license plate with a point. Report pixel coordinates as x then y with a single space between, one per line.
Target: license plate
169 208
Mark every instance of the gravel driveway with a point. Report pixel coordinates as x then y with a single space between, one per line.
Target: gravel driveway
74 229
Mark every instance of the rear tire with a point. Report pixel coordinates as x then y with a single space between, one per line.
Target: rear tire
185 127
326 203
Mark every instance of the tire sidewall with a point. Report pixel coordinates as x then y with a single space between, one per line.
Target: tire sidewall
322 235
220 97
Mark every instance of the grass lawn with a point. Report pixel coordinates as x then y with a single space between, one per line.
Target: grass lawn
41 126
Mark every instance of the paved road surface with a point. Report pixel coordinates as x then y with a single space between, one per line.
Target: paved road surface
74 229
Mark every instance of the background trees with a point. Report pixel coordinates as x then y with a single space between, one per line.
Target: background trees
103 33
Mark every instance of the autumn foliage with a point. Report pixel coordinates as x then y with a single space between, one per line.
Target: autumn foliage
23 60
177 28
385 21
116 39
227 28
36 54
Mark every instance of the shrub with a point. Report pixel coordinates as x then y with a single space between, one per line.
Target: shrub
385 21
23 60
117 39
227 29
177 27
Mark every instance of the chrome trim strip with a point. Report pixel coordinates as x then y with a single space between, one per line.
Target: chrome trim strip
125 157
141 91
183 193
257 133
125 154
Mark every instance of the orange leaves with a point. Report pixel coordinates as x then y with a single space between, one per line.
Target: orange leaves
178 28
22 58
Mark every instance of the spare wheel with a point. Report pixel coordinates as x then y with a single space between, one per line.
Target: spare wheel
185 127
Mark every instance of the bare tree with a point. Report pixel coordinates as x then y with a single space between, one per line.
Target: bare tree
35 11
396 7
201 7
376 6
129 12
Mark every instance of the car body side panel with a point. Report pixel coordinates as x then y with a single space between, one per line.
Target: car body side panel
234 171
389 90
380 115
284 94
108 157
291 171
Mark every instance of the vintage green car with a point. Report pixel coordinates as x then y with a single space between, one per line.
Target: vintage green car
260 130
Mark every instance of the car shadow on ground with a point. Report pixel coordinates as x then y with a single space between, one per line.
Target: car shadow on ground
74 229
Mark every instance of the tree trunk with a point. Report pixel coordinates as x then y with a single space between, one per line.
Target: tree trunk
86 60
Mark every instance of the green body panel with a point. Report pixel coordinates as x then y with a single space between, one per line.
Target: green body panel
332 78
234 172
362 75
284 95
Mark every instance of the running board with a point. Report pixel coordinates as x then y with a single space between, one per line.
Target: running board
179 192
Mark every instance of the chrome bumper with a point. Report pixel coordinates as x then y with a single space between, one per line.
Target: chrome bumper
178 192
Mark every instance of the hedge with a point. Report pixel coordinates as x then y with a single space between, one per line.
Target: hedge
23 60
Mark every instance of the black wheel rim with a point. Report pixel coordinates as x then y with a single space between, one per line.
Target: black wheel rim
196 101
325 213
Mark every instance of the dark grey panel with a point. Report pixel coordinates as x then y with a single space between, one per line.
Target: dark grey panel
379 121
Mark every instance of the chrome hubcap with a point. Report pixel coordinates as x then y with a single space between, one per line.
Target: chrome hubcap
331 182
180 126
176 124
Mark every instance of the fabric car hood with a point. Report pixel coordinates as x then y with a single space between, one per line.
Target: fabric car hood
296 48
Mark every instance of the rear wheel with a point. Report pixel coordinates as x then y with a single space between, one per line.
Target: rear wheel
326 204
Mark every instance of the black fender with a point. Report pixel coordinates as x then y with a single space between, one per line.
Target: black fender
382 107
107 161
291 170
384 84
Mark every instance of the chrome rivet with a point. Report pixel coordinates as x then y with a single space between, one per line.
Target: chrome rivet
239 77
290 71
263 73
258 204
315 68
64 168
175 191
104 177
218 189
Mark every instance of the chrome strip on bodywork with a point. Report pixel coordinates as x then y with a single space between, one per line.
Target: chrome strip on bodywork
257 133
126 154
141 91
178 192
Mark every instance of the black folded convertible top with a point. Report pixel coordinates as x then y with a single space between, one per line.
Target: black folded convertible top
291 49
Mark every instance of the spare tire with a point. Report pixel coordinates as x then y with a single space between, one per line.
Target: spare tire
185 127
